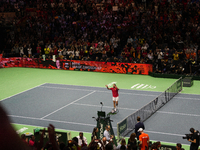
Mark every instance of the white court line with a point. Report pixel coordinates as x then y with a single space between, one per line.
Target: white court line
96 91
67 122
46 127
197 99
163 112
164 133
101 87
174 113
92 125
103 106
68 104
22 92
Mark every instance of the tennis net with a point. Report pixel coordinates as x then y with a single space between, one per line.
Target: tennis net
128 124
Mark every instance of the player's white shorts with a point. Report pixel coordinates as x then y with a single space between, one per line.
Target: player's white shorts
115 99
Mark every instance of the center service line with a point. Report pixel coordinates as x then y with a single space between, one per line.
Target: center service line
68 104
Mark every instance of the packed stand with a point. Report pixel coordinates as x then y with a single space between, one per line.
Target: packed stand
164 33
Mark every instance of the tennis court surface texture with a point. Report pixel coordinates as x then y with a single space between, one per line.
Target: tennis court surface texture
69 100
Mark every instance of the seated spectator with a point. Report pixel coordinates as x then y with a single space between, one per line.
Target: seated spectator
81 139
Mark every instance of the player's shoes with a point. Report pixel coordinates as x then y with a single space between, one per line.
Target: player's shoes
115 109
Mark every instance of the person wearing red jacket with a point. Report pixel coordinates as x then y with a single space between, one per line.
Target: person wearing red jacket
115 94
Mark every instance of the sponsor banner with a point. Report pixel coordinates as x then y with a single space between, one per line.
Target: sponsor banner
1 65
122 126
111 67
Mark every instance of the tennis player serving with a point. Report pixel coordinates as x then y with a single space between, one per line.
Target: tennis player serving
115 95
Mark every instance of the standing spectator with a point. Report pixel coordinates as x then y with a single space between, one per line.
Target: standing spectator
138 125
46 51
25 50
29 49
77 54
193 54
94 134
129 41
176 57
16 50
38 50
21 51
160 57
194 139
60 53
132 143
144 140
81 139
150 55
112 40
64 52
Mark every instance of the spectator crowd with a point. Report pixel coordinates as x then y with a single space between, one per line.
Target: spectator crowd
164 33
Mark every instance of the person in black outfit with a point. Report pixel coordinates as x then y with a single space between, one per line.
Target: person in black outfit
132 143
194 139
94 134
137 126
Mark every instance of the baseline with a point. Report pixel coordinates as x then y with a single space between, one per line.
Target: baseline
97 91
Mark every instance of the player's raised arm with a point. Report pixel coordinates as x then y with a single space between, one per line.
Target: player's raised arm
107 87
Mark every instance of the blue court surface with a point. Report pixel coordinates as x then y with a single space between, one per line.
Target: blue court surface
72 108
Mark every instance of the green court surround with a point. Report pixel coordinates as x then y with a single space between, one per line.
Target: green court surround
16 80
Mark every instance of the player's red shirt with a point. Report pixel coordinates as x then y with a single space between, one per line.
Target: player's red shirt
114 92
144 138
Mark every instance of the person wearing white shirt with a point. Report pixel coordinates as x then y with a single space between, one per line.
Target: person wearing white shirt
150 55
81 139
29 52
77 54
106 133
21 50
